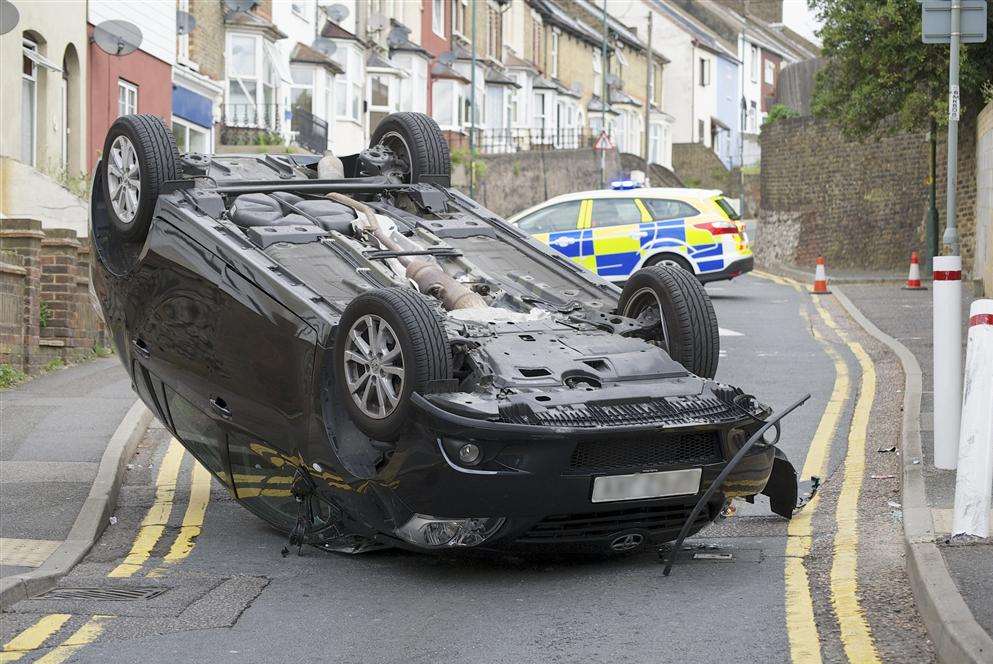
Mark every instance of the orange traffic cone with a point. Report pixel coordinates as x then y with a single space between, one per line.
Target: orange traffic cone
820 278
914 277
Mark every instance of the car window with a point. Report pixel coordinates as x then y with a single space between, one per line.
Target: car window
728 209
667 208
561 217
615 212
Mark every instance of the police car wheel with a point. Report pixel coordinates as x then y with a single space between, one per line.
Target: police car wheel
674 301
670 260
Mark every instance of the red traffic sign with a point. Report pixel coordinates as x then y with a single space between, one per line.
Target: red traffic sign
603 142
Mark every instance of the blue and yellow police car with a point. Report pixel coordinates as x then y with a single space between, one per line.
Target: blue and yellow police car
614 233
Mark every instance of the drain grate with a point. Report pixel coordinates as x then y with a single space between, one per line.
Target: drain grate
104 594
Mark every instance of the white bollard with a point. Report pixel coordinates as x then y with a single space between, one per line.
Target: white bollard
974 479
947 331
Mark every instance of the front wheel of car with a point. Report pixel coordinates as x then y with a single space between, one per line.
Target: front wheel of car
676 305
139 156
390 344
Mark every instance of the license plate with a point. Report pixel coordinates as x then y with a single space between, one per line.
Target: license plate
646 485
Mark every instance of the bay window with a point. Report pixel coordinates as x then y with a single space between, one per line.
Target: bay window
251 82
302 89
413 88
450 99
348 92
29 103
383 97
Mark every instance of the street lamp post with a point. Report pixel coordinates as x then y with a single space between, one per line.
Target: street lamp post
951 236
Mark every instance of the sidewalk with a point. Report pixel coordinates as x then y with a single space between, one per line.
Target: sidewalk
54 432
906 316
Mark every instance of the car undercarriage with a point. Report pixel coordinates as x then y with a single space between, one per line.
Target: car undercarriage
376 360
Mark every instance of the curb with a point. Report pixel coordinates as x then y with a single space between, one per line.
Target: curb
949 621
93 515
804 276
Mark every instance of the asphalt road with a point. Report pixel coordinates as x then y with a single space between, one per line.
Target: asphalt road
830 587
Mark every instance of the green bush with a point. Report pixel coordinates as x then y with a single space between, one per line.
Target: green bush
102 351
9 376
44 314
53 364
780 112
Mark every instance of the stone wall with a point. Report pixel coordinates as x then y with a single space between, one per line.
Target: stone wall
859 204
44 270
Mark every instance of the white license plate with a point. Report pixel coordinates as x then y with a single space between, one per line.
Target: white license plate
646 485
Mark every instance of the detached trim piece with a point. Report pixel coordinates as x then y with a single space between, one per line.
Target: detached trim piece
950 624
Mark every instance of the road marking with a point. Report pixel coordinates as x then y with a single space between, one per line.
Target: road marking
33 637
81 637
801 626
157 517
724 332
193 519
856 637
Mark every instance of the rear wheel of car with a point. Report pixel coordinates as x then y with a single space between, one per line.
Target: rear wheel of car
674 301
390 344
139 156
417 141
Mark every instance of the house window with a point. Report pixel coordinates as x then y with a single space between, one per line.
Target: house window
752 117
348 92
597 72
449 100
302 90
704 72
251 85
553 66
190 137
127 98
536 30
460 13
382 97
657 85
414 88
438 17
701 130
29 104
494 45
770 72
754 64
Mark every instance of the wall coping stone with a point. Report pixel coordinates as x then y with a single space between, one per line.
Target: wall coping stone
52 342
22 233
7 268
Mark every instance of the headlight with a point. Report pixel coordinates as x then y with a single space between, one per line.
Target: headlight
429 531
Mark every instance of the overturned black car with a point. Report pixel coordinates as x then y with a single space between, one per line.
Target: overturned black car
365 357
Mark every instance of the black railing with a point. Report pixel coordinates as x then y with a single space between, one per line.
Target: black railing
500 141
309 131
252 124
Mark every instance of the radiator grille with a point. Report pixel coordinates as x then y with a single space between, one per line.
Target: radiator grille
599 525
675 411
652 452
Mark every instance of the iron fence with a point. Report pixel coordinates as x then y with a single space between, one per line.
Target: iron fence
502 141
309 131
252 124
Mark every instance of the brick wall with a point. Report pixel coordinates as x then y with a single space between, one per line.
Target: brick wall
859 204
207 41
47 269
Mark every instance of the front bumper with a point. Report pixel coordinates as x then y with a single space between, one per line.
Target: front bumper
730 271
535 481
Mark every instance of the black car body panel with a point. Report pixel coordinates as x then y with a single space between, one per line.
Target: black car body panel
228 338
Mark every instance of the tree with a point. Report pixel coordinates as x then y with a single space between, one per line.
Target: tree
879 76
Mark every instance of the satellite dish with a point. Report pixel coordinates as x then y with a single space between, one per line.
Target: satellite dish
613 80
577 88
447 58
184 22
9 16
397 36
117 37
325 46
239 5
377 22
337 12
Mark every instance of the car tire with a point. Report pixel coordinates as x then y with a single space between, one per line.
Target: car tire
375 383
416 139
141 141
688 330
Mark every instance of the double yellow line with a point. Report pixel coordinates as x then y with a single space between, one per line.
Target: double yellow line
152 529
856 637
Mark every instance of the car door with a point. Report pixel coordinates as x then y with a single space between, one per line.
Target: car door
617 228
558 226
669 230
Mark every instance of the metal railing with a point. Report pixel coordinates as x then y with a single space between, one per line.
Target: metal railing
309 131
502 141
252 124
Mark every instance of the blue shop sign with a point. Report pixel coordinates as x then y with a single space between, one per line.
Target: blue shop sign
192 107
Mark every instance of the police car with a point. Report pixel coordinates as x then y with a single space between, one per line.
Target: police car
616 232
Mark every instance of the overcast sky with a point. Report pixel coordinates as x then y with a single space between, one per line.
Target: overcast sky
798 17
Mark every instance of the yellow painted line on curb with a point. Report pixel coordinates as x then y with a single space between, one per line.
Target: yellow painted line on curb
801 627
193 519
33 637
81 637
856 636
157 517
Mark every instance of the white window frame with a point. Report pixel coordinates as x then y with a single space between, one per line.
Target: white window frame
754 64
769 73
752 117
460 10
183 128
264 60
312 71
30 81
450 119
130 101
348 86
392 95
413 88
438 17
